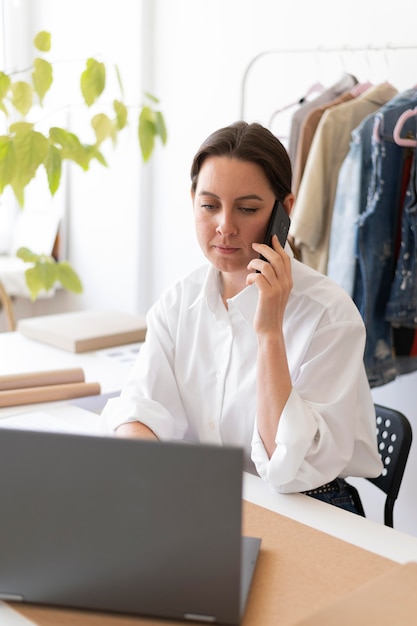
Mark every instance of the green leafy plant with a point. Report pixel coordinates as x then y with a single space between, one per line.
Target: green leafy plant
46 272
24 147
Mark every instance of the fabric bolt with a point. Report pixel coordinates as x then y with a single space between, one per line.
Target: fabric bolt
195 379
313 209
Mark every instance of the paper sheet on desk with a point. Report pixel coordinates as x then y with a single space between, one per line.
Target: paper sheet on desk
64 418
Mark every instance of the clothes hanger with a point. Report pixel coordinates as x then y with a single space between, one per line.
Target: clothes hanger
316 87
396 134
377 123
400 141
403 141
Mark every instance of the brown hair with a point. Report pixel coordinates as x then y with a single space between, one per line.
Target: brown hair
248 142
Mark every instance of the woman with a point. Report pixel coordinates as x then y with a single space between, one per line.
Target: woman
264 353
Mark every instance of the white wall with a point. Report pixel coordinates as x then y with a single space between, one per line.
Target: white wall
130 227
202 50
102 206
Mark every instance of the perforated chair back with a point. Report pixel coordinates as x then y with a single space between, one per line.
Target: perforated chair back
394 437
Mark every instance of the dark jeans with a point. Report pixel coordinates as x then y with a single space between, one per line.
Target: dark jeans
345 497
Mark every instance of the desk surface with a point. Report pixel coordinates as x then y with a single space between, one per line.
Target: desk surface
361 532
299 570
19 355
369 548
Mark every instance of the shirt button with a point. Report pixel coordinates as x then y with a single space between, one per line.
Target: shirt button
218 375
212 425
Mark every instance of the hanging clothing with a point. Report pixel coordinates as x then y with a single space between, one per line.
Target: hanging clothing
306 134
402 304
313 209
401 308
350 200
376 241
346 82
405 346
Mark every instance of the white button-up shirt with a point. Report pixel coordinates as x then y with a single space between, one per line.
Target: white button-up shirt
195 379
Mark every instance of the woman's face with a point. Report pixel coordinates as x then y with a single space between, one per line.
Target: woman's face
232 204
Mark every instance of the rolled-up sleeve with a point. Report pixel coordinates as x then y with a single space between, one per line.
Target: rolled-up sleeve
327 427
151 386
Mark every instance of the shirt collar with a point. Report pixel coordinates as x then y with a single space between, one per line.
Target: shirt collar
210 289
245 301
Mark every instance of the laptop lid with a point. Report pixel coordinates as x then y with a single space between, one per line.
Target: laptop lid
123 525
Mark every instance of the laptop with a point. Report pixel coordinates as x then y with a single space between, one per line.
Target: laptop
124 525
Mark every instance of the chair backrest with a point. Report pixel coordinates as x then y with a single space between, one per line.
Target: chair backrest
394 437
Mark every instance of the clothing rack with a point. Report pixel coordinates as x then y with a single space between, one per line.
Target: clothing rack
367 260
342 51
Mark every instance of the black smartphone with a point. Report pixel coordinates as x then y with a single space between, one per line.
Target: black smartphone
279 225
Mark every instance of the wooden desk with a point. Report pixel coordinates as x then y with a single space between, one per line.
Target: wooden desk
300 569
361 532
312 553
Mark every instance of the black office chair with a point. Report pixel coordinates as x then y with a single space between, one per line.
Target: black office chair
394 437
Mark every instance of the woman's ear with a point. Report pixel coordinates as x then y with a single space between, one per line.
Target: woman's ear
288 203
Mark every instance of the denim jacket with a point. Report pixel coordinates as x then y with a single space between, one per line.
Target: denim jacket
402 304
376 241
350 201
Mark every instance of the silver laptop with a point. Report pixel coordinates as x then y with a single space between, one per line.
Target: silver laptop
123 525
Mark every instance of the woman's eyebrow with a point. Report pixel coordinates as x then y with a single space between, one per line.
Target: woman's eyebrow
208 193
250 196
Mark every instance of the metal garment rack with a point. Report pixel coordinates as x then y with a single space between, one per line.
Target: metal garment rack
315 51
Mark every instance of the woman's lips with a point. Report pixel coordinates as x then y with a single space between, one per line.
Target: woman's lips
225 249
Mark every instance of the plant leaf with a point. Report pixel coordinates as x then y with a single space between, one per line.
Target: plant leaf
71 146
68 277
4 88
119 80
53 166
161 127
31 148
94 153
151 97
103 128
34 283
42 77
22 96
121 114
93 81
42 41
47 273
4 85
43 275
7 161
146 132
27 255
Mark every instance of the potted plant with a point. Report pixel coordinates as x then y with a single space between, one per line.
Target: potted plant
24 148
